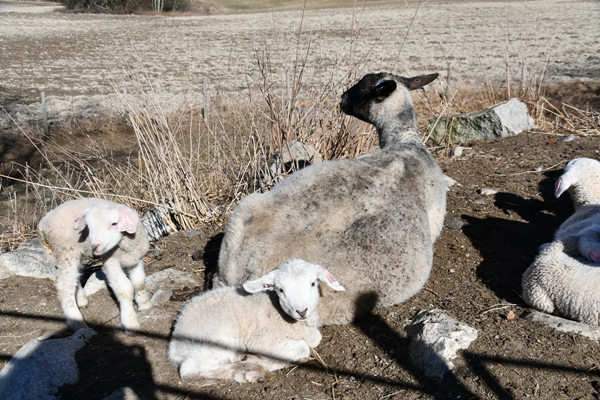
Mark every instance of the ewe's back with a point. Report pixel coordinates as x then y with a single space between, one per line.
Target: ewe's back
371 221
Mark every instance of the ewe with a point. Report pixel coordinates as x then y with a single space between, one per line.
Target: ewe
371 221
217 329
565 275
84 228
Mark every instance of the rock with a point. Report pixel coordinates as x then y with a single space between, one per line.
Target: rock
30 259
95 283
487 191
154 222
458 151
569 138
42 366
502 120
435 338
161 296
294 152
481 202
455 224
125 393
170 279
565 325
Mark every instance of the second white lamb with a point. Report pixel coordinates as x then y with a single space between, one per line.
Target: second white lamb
241 333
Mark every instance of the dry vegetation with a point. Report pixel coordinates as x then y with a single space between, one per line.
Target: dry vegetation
276 79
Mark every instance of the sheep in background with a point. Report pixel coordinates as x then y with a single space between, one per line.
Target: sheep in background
85 228
371 221
578 178
561 280
217 329
565 276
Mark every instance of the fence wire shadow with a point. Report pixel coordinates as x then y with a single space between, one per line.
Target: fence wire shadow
133 370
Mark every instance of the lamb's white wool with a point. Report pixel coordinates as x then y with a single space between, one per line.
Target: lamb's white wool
582 178
371 221
229 335
84 228
565 276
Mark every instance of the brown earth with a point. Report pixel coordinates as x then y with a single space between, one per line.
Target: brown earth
476 274
476 278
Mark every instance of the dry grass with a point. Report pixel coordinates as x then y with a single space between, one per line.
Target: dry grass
199 169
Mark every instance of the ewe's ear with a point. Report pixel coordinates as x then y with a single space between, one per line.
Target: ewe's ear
128 220
261 284
327 278
385 88
418 82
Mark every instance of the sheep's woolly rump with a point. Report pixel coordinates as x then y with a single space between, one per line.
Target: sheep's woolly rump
565 276
561 280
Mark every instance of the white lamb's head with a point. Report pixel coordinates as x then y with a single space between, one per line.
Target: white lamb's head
577 172
107 222
296 284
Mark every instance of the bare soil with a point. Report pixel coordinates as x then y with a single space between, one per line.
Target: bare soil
476 278
476 274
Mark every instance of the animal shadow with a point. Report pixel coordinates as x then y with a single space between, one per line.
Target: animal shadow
508 246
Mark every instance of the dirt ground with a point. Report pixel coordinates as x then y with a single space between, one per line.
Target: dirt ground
475 278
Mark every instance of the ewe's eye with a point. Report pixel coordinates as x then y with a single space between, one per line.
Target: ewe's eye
314 283
114 224
280 290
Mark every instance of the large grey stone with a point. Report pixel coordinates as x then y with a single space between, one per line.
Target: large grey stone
505 119
435 339
41 367
30 259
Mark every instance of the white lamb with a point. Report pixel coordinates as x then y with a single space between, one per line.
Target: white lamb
84 228
371 221
565 275
226 334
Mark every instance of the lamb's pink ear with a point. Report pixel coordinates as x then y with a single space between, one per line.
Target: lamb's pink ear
328 278
261 284
128 220
80 223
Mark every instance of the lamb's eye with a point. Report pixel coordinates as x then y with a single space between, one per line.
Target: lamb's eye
280 290
114 223
314 283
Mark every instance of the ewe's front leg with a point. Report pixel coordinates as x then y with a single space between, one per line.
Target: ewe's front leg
66 287
123 289
137 275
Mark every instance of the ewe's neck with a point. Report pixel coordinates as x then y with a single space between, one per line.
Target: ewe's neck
401 128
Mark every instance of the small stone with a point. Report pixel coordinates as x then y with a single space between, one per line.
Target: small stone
197 256
487 191
479 201
569 138
455 224
510 315
161 296
458 151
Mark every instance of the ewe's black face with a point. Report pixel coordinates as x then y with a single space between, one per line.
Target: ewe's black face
372 88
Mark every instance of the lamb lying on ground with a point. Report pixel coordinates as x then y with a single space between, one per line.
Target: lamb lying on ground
565 275
217 329
371 221
85 228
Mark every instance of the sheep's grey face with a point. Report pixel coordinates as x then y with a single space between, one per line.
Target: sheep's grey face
298 293
367 100
102 222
